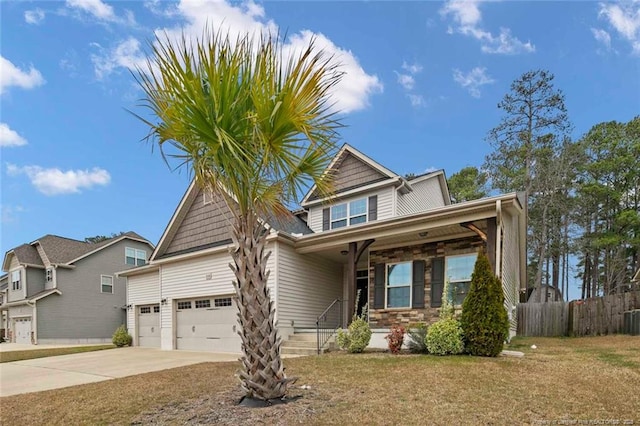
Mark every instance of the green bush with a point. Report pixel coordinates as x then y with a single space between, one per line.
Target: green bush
416 338
484 319
356 338
445 337
121 337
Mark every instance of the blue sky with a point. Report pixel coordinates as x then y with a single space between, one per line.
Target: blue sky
420 91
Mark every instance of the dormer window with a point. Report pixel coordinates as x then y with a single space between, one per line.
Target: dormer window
49 275
16 283
350 213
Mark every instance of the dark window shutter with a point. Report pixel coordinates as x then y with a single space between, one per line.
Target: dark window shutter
325 219
373 207
437 281
378 298
418 284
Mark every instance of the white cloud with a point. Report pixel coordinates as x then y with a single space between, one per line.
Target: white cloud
467 17
10 75
473 80
406 81
34 16
414 68
101 11
625 19
127 54
351 94
416 100
10 213
9 137
56 182
602 37
96 8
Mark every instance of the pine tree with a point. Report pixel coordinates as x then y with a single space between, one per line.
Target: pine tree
484 319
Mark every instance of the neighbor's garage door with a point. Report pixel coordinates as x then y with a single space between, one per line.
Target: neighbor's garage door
149 326
207 324
22 327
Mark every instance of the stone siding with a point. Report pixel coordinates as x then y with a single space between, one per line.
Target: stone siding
384 318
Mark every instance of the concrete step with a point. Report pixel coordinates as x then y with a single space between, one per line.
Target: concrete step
303 337
298 351
299 344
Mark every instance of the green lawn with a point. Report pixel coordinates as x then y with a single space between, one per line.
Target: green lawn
43 353
564 380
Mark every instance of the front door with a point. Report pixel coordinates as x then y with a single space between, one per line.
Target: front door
362 289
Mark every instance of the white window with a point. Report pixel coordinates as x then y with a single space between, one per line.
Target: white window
205 303
350 213
458 271
222 302
145 310
398 289
16 283
135 256
49 275
106 284
184 305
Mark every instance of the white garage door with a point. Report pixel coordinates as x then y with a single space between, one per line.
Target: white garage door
23 330
207 324
149 326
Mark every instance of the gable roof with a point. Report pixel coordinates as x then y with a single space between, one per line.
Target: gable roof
369 172
210 235
61 250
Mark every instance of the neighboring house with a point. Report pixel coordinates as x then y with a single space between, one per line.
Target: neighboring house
537 295
396 240
4 285
61 290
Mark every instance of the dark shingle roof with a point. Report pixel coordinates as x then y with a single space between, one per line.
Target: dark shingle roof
28 254
61 250
290 225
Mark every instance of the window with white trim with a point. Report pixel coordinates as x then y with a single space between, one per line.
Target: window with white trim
156 309
16 281
135 256
184 305
106 284
398 285
204 303
145 310
222 302
49 275
350 213
458 271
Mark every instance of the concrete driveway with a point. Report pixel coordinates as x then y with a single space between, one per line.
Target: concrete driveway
68 370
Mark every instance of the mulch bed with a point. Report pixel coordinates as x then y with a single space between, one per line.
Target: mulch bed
222 409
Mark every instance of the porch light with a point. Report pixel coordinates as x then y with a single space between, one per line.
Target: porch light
344 252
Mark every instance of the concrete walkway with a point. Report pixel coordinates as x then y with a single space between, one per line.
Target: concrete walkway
12 347
40 374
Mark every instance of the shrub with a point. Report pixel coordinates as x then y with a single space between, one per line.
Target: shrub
395 338
445 337
417 335
484 318
121 337
357 336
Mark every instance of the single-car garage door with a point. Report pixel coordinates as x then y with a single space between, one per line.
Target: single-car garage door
22 327
207 324
149 326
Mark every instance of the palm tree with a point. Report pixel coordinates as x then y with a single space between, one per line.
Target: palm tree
253 123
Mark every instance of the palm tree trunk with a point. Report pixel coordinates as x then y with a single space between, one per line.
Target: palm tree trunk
262 372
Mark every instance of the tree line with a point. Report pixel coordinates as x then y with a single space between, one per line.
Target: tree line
583 196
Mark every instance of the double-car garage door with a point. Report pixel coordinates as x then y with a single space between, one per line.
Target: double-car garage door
207 324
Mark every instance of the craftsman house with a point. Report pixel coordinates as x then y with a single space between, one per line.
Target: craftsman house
393 240
61 291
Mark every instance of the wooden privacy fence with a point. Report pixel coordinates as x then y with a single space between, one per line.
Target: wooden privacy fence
594 316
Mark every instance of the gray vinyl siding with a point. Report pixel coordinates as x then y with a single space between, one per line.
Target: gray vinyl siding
385 206
426 195
82 313
142 290
510 266
352 173
204 223
307 284
35 280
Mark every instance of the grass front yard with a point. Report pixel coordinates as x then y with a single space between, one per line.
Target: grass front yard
43 353
564 380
